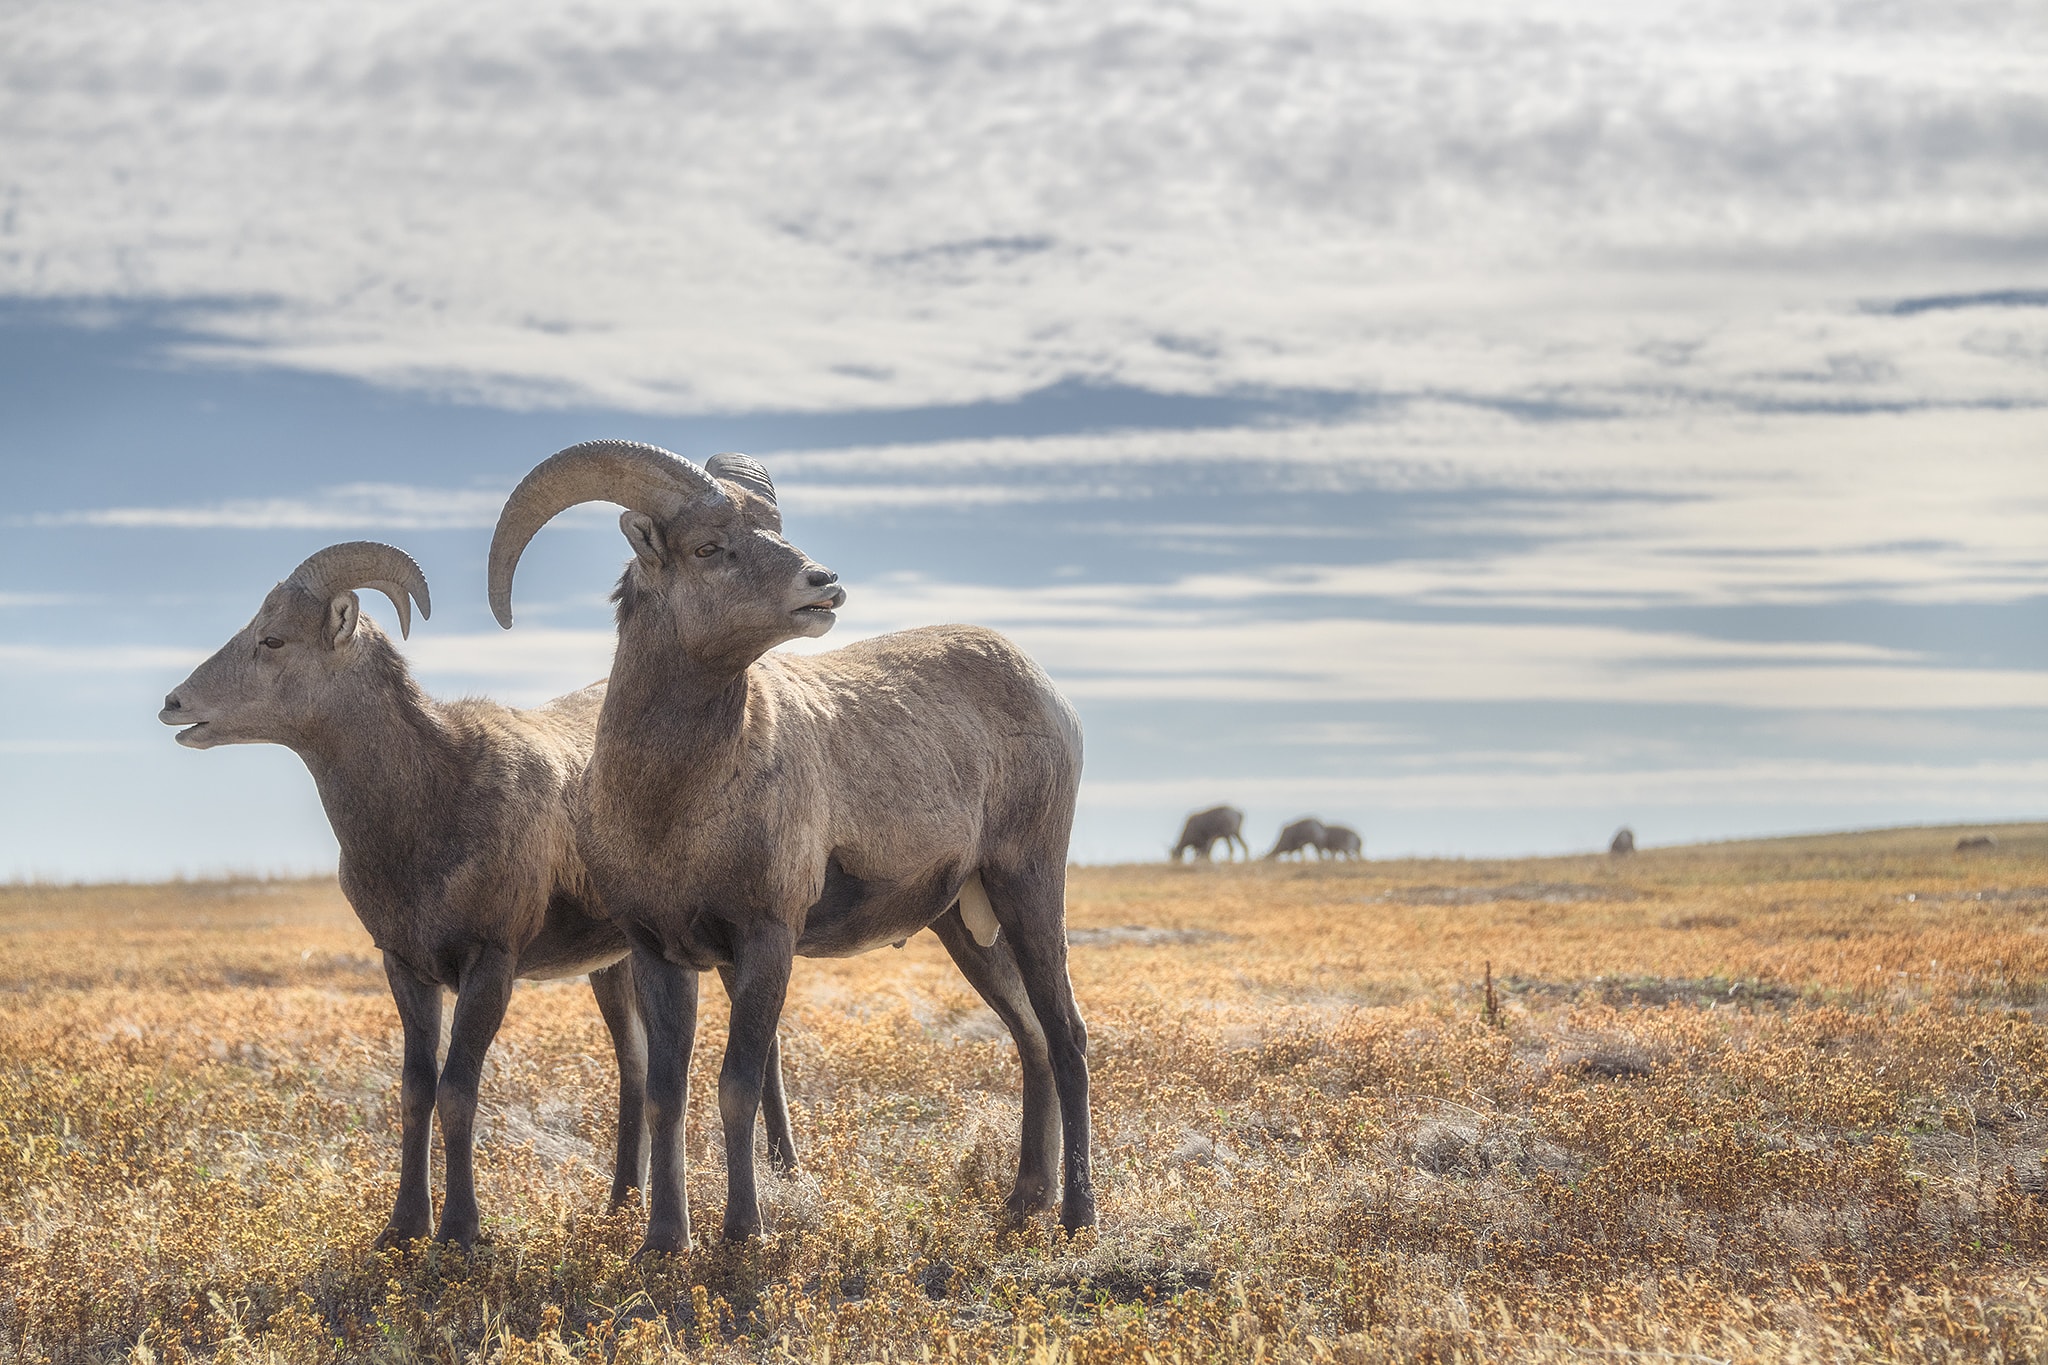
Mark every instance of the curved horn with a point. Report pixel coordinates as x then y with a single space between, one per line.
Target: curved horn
645 478
366 564
743 470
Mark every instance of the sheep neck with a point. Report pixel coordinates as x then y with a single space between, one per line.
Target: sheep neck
671 722
378 757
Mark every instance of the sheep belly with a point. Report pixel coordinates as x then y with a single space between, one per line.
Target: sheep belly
855 914
570 943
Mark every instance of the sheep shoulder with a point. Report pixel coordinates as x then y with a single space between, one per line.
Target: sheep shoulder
494 850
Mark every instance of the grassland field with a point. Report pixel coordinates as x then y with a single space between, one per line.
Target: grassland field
1782 1100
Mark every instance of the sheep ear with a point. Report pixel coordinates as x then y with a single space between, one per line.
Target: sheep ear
645 538
344 610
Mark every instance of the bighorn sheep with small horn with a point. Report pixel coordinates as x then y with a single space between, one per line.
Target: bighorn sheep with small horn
1298 838
457 847
744 807
1206 828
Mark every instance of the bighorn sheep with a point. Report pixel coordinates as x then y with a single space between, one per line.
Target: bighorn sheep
743 807
1298 838
457 847
1205 828
1624 843
1971 843
1341 841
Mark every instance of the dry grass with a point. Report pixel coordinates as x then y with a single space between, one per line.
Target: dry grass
1771 1101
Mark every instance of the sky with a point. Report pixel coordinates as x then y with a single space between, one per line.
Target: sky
1483 425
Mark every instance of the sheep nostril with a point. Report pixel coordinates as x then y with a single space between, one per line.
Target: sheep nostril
819 577
171 703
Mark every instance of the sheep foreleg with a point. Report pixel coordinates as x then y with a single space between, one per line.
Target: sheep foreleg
760 980
479 1008
419 1011
668 1011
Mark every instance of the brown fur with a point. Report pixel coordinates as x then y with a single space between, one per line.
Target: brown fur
456 829
743 809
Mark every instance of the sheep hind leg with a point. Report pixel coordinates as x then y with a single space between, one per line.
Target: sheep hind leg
774 1102
1031 907
613 987
992 971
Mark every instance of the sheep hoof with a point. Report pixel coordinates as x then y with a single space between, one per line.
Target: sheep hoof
397 1234
1027 1199
662 1243
1078 1211
460 1236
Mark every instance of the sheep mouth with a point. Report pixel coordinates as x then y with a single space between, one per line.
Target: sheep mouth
195 736
824 606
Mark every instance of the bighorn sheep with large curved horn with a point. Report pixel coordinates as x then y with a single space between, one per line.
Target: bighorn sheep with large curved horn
457 847
744 807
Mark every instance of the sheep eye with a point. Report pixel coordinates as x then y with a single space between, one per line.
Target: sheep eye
272 642
706 551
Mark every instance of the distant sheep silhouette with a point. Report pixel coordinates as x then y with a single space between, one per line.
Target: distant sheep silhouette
1624 842
1298 838
1341 841
1206 828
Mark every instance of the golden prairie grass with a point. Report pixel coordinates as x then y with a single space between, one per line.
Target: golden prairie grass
1775 1101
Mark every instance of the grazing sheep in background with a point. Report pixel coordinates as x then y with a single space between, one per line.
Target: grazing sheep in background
1205 828
457 847
743 807
1304 834
1624 842
1974 842
1341 841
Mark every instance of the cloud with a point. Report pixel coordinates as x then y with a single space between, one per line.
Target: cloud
41 658
68 746
517 655
1608 515
1099 648
357 505
405 507
1123 643
1612 515
840 499
2000 787
860 205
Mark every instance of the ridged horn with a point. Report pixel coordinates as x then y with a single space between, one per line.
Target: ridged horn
645 478
744 470
328 573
